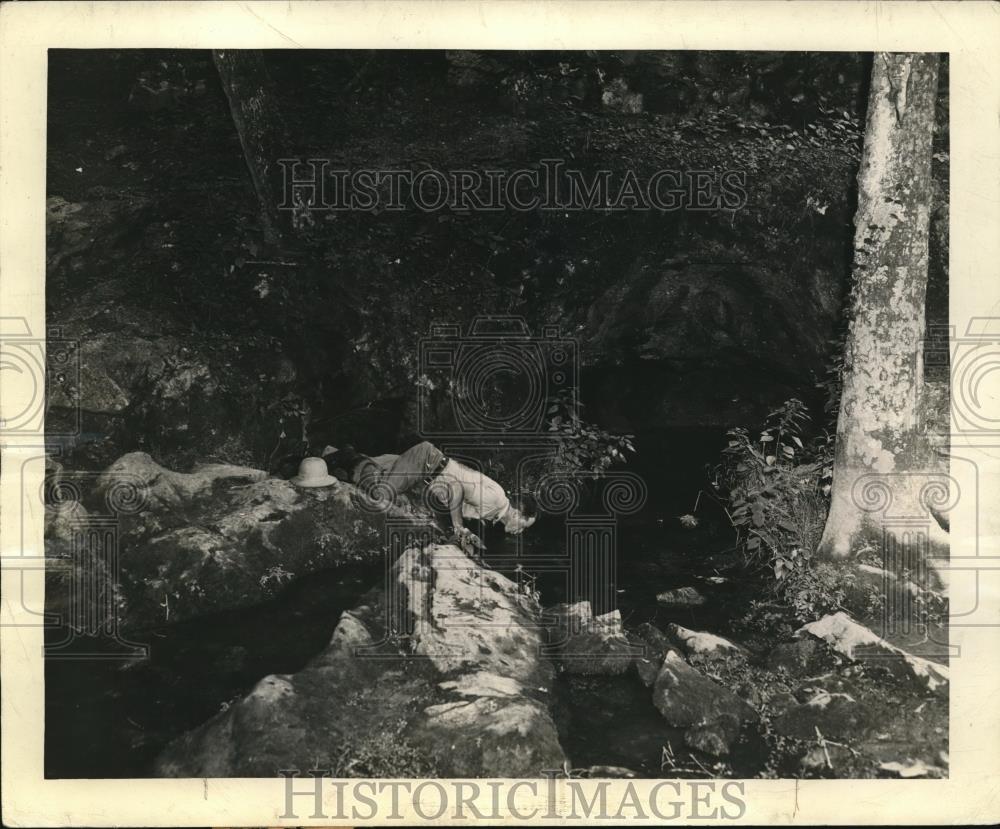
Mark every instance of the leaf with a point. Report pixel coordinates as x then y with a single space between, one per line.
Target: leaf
770 459
753 543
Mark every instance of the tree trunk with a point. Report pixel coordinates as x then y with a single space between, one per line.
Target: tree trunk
258 123
883 480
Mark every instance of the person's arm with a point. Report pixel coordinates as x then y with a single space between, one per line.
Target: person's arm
456 498
468 540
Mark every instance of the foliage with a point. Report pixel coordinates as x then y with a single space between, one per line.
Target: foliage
776 507
582 448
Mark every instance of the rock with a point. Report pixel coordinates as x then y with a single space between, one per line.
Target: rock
72 228
781 702
701 646
680 597
566 620
836 715
489 737
858 643
659 643
147 485
752 694
62 522
650 644
462 705
687 698
600 648
648 669
912 768
606 773
465 614
715 737
587 644
792 657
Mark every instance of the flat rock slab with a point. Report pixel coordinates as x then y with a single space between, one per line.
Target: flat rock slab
858 643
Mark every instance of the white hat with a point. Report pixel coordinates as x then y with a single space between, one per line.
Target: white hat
313 473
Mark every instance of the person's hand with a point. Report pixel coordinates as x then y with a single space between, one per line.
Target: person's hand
468 540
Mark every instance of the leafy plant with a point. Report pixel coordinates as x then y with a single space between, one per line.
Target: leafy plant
776 490
583 447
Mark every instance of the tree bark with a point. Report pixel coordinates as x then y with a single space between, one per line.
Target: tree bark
258 124
884 478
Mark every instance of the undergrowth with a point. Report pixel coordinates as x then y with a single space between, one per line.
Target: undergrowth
776 481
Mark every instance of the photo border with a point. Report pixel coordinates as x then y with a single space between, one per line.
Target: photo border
969 32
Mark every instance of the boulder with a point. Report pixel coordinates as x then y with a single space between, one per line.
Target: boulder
700 646
148 485
834 715
587 644
565 620
454 704
792 658
600 648
489 737
680 597
222 536
688 699
856 642
464 614
651 645
63 521
713 737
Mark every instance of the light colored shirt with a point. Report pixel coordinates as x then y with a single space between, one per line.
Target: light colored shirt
482 498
